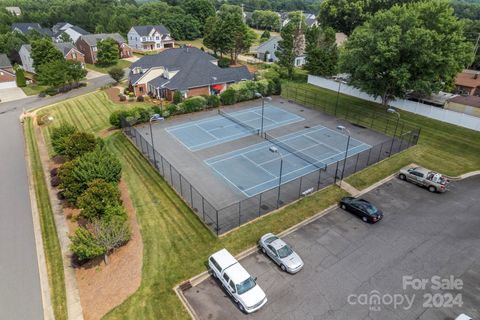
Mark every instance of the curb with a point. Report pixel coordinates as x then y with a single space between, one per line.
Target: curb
37 231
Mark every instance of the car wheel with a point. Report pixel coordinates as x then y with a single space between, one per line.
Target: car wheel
283 267
263 250
214 274
364 219
432 189
240 306
402 177
344 207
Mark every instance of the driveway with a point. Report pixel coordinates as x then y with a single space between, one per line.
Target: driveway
11 94
422 235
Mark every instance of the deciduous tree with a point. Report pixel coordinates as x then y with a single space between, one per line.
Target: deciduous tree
107 53
414 47
321 52
292 44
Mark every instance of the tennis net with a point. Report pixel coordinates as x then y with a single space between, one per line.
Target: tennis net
295 152
241 123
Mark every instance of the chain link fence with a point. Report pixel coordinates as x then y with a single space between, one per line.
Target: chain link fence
221 220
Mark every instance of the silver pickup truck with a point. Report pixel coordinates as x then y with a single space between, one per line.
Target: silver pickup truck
433 181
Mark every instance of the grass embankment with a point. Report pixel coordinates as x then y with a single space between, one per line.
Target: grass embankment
120 63
51 245
176 243
33 89
89 113
197 43
446 148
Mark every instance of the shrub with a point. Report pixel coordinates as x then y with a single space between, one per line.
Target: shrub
274 86
122 97
77 174
50 91
140 99
79 143
194 104
166 114
60 135
111 234
172 109
131 94
116 116
115 212
126 91
85 246
223 62
55 181
98 196
227 97
177 97
20 78
213 101
116 73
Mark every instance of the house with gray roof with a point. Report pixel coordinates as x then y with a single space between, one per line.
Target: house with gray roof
7 74
150 38
188 70
68 49
87 44
14 10
266 51
26 28
73 31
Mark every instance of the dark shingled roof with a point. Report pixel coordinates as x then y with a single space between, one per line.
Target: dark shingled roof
144 31
27 27
63 47
92 39
195 69
4 61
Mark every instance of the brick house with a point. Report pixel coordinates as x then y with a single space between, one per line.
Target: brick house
87 44
69 53
468 83
188 70
7 75
149 38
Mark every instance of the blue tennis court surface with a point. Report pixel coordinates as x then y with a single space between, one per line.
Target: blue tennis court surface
255 169
198 135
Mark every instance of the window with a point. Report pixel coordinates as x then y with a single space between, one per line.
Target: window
159 45
272 249
140 89
232 285
74 55
94 49
215 264
157 38
226 277
144 39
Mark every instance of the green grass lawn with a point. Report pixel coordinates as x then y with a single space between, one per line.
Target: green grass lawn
89 113
121 63
198 43
176 244
51 245
449 149
33 89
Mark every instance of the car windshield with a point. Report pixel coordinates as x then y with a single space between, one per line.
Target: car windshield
245 285
371 209
284 251
271 239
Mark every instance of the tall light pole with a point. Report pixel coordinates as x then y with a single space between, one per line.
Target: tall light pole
155 117
275 151
259 95
392 110
347 132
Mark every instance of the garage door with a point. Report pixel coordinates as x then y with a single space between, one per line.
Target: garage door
8 85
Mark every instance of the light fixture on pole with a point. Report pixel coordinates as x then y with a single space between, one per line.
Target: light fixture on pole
395 112
347 132
274 150
259 95
155 117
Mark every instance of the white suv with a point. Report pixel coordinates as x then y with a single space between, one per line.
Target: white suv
237 281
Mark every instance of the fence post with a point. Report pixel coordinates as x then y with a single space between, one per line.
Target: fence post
300 188
336 171
380 153
218 227
181 189
203 209
369 152
171 175
260 204
386 126
191 194
163 169
373 119
356 162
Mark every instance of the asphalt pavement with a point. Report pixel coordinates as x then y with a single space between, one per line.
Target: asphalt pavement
350 264
20 296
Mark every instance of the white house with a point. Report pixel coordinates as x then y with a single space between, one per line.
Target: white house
148 38
73 31
267 52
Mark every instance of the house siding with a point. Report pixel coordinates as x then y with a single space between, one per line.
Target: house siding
27 61
6 75
200 91
76 55
84 48
135 41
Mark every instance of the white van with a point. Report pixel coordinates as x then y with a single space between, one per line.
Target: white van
237 281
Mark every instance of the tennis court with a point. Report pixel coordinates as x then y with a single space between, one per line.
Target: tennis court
198 135
255 169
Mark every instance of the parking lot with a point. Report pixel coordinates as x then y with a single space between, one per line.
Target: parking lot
348 263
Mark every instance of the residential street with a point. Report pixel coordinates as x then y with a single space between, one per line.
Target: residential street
20 296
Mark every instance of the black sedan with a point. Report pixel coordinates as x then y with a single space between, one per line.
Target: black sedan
362 209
